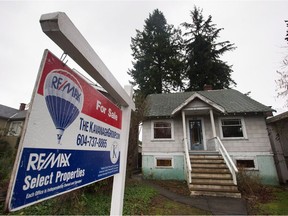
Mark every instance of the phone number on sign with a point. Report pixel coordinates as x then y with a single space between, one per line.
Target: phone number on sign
85 140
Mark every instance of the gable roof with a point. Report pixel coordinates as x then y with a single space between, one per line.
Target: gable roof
232 101
199 96
11 113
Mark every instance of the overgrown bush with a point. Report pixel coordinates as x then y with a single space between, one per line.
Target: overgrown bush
250 185
251 188
7 157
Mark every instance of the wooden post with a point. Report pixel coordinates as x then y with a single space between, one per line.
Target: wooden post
119 179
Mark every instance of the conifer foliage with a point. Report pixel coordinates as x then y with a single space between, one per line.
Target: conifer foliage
202 54
167 61
157 52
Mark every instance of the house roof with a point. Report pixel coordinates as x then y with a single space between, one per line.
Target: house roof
232 101
11 113
277 118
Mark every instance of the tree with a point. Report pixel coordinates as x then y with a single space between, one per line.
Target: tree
202 54
157 53
282 81
137 117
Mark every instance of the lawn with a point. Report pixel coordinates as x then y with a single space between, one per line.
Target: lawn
277 206
140 199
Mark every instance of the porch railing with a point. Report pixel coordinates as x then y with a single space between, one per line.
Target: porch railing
215 144
188 162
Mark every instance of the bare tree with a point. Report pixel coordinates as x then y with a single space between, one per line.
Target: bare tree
282 81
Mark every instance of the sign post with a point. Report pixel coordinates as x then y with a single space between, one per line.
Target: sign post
90 133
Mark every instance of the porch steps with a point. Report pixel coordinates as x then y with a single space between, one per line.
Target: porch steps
211 176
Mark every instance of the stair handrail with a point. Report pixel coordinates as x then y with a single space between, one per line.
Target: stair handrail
228 160
187 159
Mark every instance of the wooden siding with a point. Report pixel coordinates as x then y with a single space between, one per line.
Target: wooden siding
257 136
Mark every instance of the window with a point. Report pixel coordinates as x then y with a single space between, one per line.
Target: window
162 130
232 128
15 128
164 162
245 164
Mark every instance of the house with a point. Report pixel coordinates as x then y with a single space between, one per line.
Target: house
204 137
11 123
278 133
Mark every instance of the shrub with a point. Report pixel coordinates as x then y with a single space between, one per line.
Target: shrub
250 185
7 157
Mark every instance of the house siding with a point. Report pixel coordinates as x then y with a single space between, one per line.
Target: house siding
257 146
150 171
172 146
257 137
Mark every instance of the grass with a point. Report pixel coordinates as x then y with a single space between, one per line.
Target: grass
140 199
163 206
262 199
277 206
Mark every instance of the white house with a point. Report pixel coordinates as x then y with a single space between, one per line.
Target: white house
203 136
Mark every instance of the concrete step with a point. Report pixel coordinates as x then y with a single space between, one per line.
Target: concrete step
211 175
210 170
214 187
211 181
210 156
208 165
216 193
207 161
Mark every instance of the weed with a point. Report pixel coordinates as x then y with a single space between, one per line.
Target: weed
137 198
253 190
7 157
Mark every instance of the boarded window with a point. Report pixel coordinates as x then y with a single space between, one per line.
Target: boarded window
163 162
162 130
245 163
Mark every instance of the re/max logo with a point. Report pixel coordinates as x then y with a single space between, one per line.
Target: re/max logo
42 161
64 85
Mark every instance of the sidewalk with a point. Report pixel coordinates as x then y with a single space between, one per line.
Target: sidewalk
216 205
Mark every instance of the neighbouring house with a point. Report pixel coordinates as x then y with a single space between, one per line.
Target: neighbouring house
204 137
278 133
11 123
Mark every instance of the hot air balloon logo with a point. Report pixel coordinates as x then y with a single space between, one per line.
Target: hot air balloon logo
64 99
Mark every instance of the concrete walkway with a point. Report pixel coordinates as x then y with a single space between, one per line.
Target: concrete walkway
216 205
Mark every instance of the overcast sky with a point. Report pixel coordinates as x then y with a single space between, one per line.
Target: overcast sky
256 27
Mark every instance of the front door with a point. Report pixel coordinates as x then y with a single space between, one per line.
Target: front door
196 137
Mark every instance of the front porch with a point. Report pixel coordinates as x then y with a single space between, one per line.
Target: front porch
209 168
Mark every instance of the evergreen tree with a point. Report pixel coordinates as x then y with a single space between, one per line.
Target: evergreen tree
202 54
157 65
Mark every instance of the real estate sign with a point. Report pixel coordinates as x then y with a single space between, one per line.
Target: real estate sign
71 136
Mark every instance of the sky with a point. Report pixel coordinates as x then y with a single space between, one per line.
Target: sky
257 29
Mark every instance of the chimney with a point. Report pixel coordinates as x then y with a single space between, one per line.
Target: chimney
22 106
207 87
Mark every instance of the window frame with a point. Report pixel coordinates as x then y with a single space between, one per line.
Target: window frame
19 125
242 125
163 158
247 158
160 139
